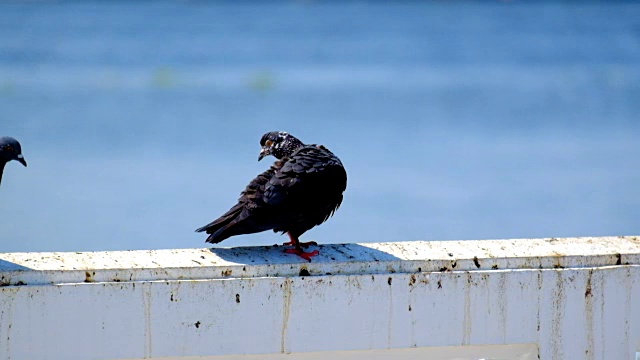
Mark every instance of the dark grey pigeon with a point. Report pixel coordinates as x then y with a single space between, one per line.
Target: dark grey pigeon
10 150
302 189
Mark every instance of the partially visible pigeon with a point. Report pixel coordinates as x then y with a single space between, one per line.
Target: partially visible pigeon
302 189
10 150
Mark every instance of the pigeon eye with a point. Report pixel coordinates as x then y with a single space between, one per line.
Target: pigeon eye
268 143
8 148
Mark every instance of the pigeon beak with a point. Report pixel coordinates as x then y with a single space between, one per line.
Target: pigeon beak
21 159
264 152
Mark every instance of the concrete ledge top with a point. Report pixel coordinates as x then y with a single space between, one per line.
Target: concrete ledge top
368 258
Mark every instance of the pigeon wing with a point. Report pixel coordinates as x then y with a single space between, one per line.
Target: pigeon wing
307 188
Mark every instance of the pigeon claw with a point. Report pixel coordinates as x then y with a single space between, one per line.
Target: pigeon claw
302 244
305 255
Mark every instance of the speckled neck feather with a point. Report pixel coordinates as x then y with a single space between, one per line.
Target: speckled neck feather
284 144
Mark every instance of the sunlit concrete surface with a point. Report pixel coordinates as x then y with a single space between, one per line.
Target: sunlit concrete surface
573 298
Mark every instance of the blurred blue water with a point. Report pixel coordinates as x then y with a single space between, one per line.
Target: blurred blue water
141 120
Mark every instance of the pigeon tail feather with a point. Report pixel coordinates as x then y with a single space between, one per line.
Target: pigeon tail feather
221 221
235 222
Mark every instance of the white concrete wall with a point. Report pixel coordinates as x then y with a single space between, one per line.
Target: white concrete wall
503 299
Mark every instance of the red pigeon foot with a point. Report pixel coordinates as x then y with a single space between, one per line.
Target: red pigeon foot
302 244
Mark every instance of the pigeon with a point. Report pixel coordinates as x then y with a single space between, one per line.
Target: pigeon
10 150
302 189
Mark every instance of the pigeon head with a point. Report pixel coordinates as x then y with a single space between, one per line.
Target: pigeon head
279 144
10 150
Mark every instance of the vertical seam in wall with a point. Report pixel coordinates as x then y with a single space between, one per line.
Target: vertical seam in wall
285 315
589 311
627 308
146 299
467 311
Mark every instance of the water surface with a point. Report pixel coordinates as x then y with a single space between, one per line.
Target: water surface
141 121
